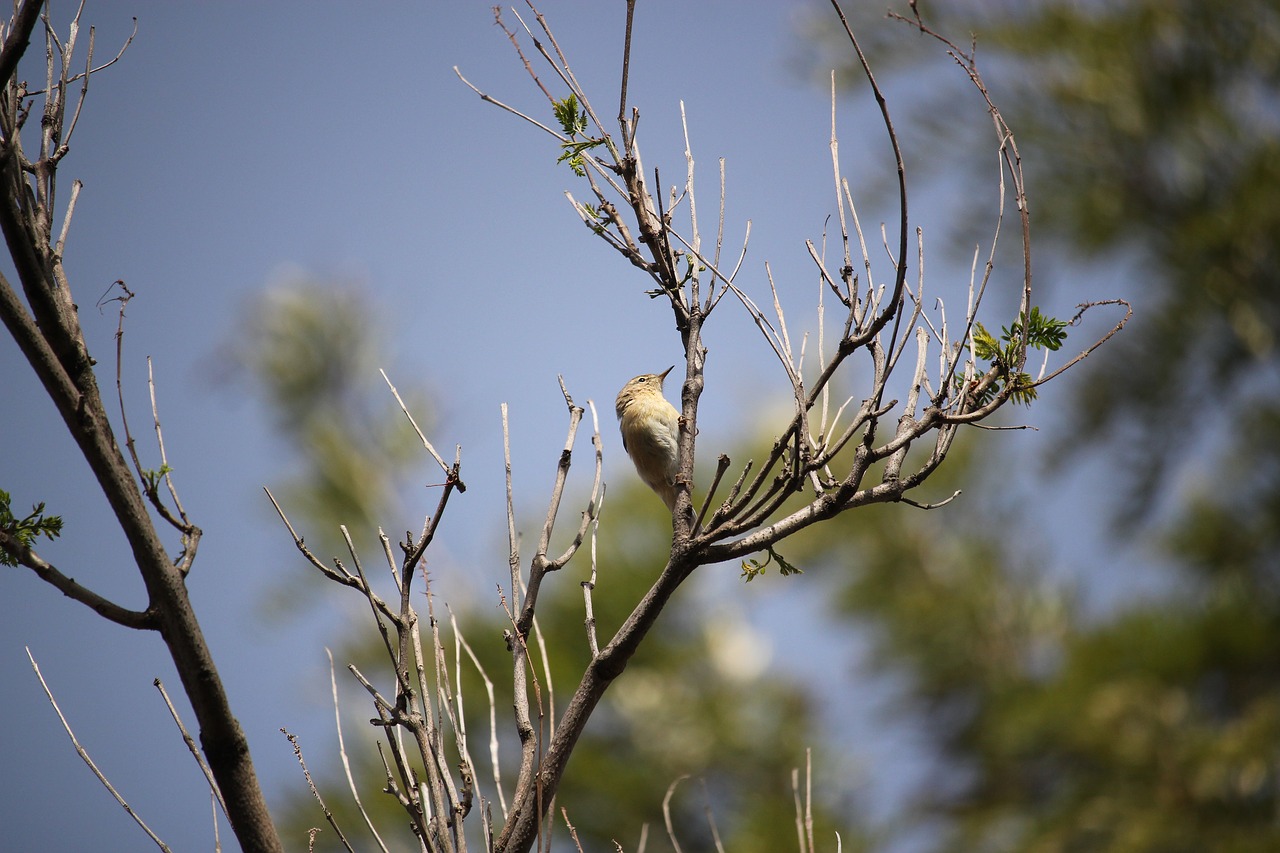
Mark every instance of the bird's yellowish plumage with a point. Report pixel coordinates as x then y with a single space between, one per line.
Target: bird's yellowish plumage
651 433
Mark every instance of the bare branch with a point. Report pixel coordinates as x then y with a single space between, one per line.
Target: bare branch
626 73
421 437
573 833
493 720
76 186
195 750
711 818
941 503
107 609
339 572
94 70
540 565
666 812
342 753
900 280
1084 308
15 44
47 329
328 815
84 756
190 533
589 585
500 105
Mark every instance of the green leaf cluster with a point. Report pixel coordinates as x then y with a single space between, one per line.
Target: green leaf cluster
572 118
600 219
752 569
151 478
26 530
1006 354
573 122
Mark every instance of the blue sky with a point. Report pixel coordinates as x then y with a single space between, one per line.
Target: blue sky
237 144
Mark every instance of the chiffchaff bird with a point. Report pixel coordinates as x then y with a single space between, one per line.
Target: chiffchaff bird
651 433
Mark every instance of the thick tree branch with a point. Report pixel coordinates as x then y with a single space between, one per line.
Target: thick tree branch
55 348
104 607
526 818
15 44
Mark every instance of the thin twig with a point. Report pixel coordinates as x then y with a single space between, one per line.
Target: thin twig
515 43
573 833
84 756
60 246
808 796
801 838
339 573
342 753
191 746
622 88
589 585
427 444
90 71
164 457
1128 312
328 815
500 105
941 503
666 812
493 711
711 818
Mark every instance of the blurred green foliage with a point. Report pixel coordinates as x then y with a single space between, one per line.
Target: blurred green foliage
1150 132
308 349
1155 131
1154 730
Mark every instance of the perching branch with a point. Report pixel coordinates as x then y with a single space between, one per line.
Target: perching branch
829 456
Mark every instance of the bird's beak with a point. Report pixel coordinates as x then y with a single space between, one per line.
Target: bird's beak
663 374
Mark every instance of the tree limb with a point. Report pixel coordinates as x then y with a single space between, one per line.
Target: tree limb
104 607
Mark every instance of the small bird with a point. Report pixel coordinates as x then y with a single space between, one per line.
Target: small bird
651 433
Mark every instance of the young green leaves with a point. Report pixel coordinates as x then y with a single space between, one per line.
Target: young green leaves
1042 332
752 569
573 121
26 530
